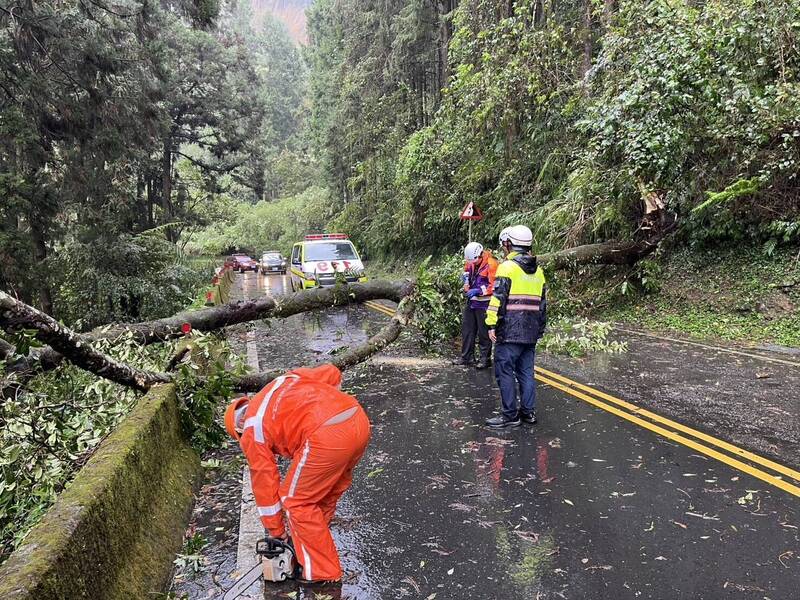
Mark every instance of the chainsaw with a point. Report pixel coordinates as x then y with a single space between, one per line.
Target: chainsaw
278 563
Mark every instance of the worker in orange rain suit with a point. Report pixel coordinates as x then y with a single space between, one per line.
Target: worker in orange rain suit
303 415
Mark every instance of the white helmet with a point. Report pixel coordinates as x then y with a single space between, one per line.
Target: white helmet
504 235
519 235
472 251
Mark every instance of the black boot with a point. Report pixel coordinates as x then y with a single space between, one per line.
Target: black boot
461 362
483 364
502 422
529 418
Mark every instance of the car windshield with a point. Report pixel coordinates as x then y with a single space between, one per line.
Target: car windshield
330 251
271 256
242 258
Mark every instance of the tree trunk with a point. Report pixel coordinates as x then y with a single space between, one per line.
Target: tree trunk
607 253
609 8
588 38
211 319
16 316
40 253
166 184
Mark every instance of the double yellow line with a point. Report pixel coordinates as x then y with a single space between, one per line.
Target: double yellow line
766 470
381 308
720 450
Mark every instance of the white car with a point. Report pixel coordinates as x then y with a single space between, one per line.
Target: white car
316 261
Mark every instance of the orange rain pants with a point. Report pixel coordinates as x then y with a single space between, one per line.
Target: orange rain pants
305 416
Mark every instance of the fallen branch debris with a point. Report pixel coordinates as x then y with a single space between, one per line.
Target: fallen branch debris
207 319
388 334
78 349
16 316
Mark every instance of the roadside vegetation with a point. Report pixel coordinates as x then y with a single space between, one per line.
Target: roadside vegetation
753 299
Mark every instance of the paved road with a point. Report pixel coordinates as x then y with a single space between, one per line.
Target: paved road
587 504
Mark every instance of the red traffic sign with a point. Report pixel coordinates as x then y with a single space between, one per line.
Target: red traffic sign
471 213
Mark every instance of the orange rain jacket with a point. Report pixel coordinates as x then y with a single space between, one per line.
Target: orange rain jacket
303 415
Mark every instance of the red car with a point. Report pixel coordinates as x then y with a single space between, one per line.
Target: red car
244 263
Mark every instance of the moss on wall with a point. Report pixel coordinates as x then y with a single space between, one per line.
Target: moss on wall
114 531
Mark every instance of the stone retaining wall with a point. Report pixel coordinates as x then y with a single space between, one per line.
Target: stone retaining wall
113 533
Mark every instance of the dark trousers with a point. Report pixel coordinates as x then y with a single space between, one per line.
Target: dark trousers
473 325
513 366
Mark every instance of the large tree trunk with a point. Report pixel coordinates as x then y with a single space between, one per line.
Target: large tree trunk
207 319
40 253
16 316
607 253
588 37
166 185
210 319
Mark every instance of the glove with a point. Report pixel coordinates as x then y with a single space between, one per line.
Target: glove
472 293
465 278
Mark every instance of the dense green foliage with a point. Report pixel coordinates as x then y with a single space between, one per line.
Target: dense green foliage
754 297
125 124
573 117
50 427
49 430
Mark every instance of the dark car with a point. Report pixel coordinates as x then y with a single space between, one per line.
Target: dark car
273 262
245 263
230 262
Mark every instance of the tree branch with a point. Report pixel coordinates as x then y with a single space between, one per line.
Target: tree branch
65 343
16 316
388 334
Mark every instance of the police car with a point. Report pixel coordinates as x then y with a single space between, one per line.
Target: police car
316 261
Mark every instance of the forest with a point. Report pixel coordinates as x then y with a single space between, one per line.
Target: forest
140 139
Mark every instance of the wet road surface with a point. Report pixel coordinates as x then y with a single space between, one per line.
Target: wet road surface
583 505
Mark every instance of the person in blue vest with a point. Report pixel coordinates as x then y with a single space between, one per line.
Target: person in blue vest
479 272
516 319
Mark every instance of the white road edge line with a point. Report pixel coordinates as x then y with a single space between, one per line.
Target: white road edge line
709 347
250 528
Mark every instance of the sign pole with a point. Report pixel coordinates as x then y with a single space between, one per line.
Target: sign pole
470 213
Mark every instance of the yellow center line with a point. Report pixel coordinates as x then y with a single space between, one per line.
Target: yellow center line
572 388
379 307
764 462
676 437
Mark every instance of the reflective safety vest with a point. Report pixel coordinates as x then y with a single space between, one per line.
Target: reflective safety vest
518 308
480 277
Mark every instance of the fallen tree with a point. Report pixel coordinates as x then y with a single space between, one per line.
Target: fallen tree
16 316
206 319
607 253
352 356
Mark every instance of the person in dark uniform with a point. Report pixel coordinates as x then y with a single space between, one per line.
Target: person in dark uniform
516 318
479 273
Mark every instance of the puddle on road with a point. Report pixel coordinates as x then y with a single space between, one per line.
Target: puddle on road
329 331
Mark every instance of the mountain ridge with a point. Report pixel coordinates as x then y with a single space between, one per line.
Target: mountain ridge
291 12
